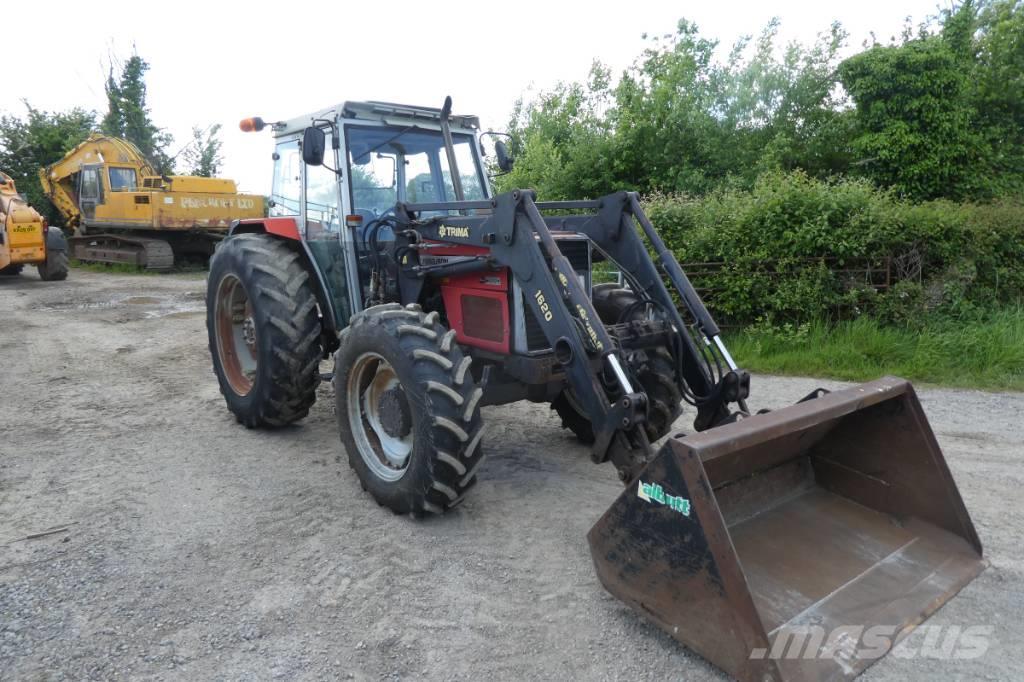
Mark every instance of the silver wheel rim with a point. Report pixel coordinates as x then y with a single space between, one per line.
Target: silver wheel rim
386 455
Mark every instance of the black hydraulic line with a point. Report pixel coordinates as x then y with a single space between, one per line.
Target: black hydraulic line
672 268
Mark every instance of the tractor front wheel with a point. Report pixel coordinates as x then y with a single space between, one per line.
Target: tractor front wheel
264 330
653 368
408 409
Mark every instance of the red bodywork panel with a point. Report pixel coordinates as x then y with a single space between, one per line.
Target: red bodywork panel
477 303
286 226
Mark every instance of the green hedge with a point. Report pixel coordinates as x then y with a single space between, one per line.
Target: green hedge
779 250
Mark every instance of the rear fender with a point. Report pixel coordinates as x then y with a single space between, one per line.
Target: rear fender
285 227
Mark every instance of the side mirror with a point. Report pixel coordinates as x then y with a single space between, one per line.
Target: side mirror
505 160
313 143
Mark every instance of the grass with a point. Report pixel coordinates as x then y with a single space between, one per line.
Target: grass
986 354
126 269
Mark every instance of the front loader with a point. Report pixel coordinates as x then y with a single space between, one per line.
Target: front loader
386 249
26 239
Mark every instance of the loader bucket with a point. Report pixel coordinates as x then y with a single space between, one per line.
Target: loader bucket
799 544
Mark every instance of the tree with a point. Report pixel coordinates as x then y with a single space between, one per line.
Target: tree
562 141
37 140
916 121
678 120
202 156
999 80
128 114
941 114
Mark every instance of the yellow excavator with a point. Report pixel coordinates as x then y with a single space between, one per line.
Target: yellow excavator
26 239
123 211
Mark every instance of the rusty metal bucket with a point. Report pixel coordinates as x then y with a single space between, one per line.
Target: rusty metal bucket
799 544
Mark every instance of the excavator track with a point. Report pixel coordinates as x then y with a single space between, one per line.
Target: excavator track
151 254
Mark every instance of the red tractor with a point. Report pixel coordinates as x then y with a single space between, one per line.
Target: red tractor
386 250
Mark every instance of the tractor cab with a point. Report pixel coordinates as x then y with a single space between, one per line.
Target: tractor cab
338 172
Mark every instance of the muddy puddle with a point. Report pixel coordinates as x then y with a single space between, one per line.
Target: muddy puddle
186 304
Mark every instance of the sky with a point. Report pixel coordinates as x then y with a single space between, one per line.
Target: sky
218 62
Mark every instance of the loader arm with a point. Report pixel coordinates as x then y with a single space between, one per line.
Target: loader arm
519 238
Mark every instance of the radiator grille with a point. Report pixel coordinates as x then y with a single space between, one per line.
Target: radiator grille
578 253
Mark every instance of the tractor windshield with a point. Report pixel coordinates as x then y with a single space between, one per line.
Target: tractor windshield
388 165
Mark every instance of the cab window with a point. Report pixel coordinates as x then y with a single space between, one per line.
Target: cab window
90 184
472 188
387 165
122 179
374 181
287 184
323 218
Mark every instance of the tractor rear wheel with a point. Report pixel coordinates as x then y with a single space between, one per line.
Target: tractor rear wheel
408 409
55 267
264 330
653 369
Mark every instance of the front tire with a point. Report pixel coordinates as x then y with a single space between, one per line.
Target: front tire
264 330
55 267
408 409
653 369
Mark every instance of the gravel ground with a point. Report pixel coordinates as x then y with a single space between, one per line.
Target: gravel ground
196 549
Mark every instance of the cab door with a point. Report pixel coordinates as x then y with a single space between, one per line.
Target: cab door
322 224
90 191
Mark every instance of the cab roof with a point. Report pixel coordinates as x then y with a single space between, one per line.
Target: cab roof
387 112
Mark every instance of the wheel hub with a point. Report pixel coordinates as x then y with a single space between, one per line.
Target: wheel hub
249 333
237 342
379 416
393 408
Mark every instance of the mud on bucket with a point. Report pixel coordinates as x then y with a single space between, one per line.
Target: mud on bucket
772 546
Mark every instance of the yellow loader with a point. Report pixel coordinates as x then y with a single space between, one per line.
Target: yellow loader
26 239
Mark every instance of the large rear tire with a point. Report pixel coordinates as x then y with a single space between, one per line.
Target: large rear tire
264 330
408 409
653 368
55 267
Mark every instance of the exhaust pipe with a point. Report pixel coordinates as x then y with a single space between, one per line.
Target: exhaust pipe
808 527
449 149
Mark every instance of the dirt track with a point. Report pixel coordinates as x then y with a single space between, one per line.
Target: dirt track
196 549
